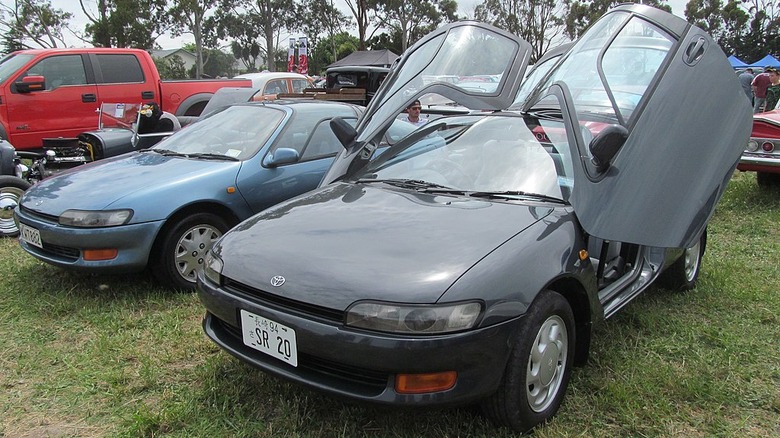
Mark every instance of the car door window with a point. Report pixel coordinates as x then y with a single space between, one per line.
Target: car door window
299 85
276 87
323 141
120 68
60 70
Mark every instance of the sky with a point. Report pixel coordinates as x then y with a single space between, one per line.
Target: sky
465 7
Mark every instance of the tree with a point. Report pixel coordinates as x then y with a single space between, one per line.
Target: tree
315 18
323 55
126 23
581 14
171 67
188 16
539 22
408 18
32 23
361 10
249 20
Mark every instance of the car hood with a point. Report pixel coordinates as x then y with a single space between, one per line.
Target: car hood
98 185
347 242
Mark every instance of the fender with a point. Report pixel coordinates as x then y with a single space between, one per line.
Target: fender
194 100
7 155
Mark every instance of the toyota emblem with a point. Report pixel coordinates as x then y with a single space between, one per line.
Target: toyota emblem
277 281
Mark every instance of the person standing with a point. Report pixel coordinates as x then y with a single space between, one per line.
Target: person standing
773 91
746 79
760 84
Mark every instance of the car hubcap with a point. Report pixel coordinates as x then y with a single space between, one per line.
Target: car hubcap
9 199
546 363
692 259
192 248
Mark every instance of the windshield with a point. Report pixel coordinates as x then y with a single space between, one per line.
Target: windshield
236 132
610 68
469 59
482 153
11 64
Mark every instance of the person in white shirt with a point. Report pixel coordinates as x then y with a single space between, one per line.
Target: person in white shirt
413 114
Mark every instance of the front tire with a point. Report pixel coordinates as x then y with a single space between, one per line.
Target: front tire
11 190
183 248
684 272
537 373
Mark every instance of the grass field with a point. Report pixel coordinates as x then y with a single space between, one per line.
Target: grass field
88 356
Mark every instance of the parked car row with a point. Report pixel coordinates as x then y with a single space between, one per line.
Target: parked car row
463 261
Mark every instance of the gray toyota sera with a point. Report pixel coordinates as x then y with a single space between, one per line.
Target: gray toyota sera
468 261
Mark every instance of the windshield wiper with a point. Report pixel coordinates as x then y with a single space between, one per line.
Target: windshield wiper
416 184
213 156
513 194
167 152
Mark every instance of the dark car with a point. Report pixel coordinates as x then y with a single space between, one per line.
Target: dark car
469 261
163 207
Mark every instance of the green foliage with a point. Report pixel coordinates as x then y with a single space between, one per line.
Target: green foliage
409 21
171 67
126 23
32 24
581 14
323 54
118 356
749 29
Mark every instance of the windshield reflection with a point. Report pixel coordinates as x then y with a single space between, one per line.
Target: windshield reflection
237 132
498 153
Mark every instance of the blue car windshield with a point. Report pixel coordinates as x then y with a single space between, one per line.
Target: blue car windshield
237 132
482 153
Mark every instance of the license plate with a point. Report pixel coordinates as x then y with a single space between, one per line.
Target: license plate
269 337
30 235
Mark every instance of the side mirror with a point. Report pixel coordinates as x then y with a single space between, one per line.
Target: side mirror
606 144
31 83
343 131
281 156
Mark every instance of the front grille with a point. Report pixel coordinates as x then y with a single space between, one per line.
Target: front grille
282 303
64 252
355 379
44 217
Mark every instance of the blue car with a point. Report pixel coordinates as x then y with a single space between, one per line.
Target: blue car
164 207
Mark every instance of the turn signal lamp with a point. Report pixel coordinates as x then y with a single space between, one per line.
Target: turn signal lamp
583 254
231 189
425 383
94 255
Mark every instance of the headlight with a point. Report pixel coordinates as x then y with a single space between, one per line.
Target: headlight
752 145
89 219
212 268
413 319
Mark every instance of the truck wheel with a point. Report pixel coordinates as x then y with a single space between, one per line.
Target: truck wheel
176 260
11 190
539 366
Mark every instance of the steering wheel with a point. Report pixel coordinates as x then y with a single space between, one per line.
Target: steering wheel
452 171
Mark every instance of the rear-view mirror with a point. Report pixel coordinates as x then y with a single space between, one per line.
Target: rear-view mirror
281 156
31 83
606 144
343 131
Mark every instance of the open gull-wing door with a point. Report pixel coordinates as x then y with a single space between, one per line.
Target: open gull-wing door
434 65
666 88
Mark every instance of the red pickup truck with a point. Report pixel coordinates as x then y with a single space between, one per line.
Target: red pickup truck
50 93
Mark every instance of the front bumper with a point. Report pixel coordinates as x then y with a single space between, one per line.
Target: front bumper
359 364
63 246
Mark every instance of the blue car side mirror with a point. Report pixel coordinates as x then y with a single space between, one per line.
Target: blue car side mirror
281 156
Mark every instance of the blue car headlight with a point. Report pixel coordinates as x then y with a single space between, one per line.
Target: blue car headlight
414 319
212 268
92 219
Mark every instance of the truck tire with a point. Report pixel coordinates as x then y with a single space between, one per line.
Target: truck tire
11 190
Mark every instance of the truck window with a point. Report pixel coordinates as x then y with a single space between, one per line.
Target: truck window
118 68
60 70
11 64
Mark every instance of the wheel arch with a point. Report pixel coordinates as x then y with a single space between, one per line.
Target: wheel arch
575 294
193 105
201 207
